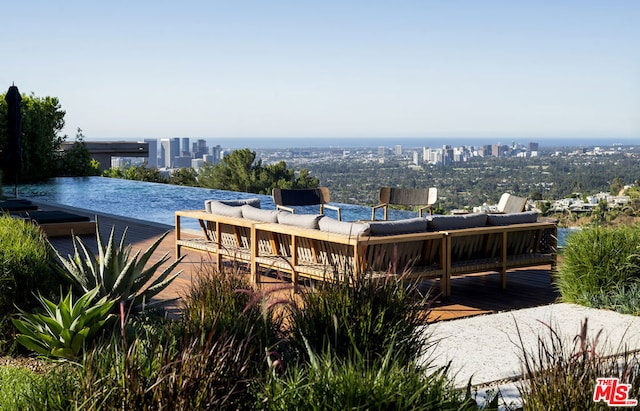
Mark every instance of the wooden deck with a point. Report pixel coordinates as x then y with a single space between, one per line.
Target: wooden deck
472 294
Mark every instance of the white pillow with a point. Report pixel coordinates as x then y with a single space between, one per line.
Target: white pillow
216 207
257 214
332 225
300 220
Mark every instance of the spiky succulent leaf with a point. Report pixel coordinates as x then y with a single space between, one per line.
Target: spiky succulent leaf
78 340
147 254
116 272
62 352
160 283
63 330
49 325
87 267
32 344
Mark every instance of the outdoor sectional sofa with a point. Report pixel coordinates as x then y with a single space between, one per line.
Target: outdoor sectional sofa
319 247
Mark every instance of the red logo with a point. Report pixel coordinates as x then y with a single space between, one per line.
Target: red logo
614 393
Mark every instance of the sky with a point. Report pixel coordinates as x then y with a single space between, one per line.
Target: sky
313 69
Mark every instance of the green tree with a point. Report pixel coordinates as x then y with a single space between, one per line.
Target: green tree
42 121
233 173
616 186
306 180
240 171
77 161
186 176
138 173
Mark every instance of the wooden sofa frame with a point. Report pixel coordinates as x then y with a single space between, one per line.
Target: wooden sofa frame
321 255
500 248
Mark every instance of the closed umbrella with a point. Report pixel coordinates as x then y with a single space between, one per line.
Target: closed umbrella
13 152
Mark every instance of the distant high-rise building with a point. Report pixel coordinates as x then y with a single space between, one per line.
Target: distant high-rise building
152 160
182 162
381 151
175 150
448 156
533 146
165 148
185 147
216 154
170 149
398 149
200 148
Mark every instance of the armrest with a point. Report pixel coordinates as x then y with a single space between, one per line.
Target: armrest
421 210
331 207
289 209
374 208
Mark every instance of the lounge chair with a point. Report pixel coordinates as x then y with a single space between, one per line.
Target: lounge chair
286 199
59 223
14 204
511 204
423 197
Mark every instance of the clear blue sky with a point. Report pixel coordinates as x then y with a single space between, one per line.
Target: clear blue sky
330 68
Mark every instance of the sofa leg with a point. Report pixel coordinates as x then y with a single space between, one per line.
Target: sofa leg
445 286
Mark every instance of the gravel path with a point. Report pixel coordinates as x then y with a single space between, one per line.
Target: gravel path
487 348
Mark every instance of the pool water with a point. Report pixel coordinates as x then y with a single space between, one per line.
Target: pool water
157 202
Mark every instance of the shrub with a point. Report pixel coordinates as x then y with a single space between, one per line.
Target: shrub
189 373
622 298
361 316
21 380
560 377
23 264
64 328
23 272
224 303
228 302
115 272
35 391
332 383
599 260
210 358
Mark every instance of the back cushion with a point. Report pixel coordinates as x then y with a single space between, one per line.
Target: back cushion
410 225
216 207
513 218
254 202
331 225
300 220
257 214
456 222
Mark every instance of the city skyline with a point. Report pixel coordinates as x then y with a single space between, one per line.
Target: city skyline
494 70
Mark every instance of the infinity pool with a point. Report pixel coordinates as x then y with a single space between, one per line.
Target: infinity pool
156 202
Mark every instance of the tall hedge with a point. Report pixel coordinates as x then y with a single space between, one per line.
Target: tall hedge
42 123
599 260
24 267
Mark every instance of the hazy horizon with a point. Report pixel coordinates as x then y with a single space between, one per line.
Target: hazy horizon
406 142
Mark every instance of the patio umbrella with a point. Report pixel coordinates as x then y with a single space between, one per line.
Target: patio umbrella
13 152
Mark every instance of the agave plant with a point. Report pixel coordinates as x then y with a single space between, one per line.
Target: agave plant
115 272
64 327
